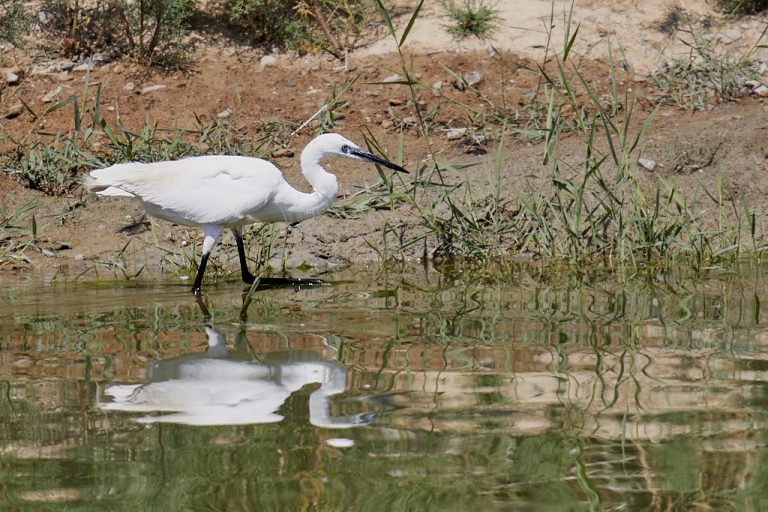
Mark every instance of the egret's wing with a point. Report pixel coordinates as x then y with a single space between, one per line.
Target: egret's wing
221 199
204 190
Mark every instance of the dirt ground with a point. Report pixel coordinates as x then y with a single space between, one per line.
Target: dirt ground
81 230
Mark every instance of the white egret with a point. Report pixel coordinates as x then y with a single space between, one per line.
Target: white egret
222 191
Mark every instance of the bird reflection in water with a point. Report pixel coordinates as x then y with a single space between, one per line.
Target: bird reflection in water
219 388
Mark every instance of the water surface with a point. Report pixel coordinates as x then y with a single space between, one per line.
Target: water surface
388 392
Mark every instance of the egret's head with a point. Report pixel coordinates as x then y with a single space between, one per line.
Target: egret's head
335 144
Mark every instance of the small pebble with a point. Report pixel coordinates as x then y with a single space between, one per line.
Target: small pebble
153 88
11 78
268 61
392 78
455 133
282 153
647 164
51 95
474 78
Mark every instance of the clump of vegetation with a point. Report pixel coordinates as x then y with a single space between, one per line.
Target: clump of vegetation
303 25
153 30
471 17
741 6
14 22
11 229
706 73
150 31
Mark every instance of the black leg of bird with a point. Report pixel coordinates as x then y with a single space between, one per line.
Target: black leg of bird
248 278
200 272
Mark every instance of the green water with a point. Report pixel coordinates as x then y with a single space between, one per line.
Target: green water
388 392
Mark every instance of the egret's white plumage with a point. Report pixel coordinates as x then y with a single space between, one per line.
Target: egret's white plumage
217 192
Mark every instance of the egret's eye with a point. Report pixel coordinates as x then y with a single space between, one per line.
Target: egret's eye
345 149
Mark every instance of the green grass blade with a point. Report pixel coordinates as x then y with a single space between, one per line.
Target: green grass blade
410 24
387 20
570 42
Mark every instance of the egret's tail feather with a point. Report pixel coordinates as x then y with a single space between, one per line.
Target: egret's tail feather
102 181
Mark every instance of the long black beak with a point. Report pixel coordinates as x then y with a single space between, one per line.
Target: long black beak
376 159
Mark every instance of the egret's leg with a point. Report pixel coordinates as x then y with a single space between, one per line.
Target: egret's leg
212 233
248 278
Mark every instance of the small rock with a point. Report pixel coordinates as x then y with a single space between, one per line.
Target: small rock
410 120
268 61
13 111
469 47
85 66
455 133
224 114
437 88
282 153
396 102
752 84
153 88
387 124
474 78
129 86
392 78
62 76
118 69
11 78
51 95
647 164
761 91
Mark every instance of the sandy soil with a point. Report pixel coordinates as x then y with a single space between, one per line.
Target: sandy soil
82 230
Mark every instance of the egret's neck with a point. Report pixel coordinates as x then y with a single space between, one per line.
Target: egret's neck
324 184
322 181
291 205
